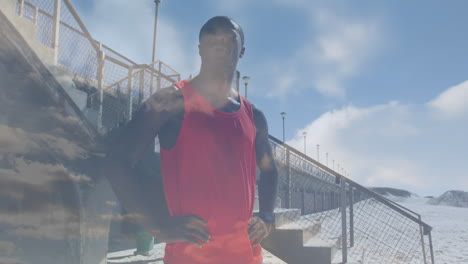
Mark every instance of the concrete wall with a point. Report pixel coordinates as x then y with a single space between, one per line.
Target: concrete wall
55 206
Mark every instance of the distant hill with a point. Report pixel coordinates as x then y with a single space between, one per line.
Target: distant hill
451 198
387 191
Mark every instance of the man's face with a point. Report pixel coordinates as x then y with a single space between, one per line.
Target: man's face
222 47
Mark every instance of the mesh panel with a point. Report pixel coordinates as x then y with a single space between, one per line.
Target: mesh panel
78 56
76 52
376 233
67 18
114 74
111 53
29 12
45 5
44 29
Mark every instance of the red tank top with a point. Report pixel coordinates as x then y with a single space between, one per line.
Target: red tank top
210 173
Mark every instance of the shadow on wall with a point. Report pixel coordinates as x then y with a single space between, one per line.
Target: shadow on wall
54 206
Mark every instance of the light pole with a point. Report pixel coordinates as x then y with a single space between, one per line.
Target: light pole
326 154
318 152
305 135
154 46
155 28
246 82
283 115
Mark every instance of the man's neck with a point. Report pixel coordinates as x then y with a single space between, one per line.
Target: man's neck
217 83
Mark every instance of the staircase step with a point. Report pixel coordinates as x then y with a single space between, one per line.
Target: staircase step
287 241
309 229
285 216
321 250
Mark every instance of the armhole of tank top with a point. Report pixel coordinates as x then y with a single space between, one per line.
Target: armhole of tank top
249 108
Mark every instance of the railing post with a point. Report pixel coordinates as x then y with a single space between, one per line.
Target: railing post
130 92
141 91
159 77
100 79
351 218
303 202
422 240
315 202
36 13
152 78
344 244
323 201
55 29
21 8
288 179
430 248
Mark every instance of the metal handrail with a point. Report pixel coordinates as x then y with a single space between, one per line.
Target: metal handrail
314 169
371 193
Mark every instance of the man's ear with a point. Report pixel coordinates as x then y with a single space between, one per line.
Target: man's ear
242 52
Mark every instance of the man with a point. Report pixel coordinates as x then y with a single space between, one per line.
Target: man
211 140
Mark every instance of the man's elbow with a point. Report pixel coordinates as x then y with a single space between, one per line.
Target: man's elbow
113 165
270 172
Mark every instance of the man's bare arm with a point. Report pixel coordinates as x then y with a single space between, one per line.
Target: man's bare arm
260 228
267 187
125 150
148 202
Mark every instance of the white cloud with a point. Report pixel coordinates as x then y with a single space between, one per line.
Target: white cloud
396 145
452 103
128 29
337 50
340 51
400 172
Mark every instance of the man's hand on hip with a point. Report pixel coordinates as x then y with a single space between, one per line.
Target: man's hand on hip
258 230
190 229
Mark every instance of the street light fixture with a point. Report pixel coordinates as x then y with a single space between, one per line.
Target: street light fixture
305 135
246 82
283 115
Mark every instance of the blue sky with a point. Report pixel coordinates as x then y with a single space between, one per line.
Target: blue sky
380 85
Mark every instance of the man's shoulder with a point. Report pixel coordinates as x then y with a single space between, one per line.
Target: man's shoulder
256 111
167 93
259 118
166 99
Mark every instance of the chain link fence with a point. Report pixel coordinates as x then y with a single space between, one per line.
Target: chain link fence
363 225
113 85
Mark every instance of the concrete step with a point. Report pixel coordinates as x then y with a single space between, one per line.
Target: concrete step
288 243
309 229
320 250
285 216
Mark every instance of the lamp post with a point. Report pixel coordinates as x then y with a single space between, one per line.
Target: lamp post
283 115
326 154
157 2
305 148
318 152
154 47
246 82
